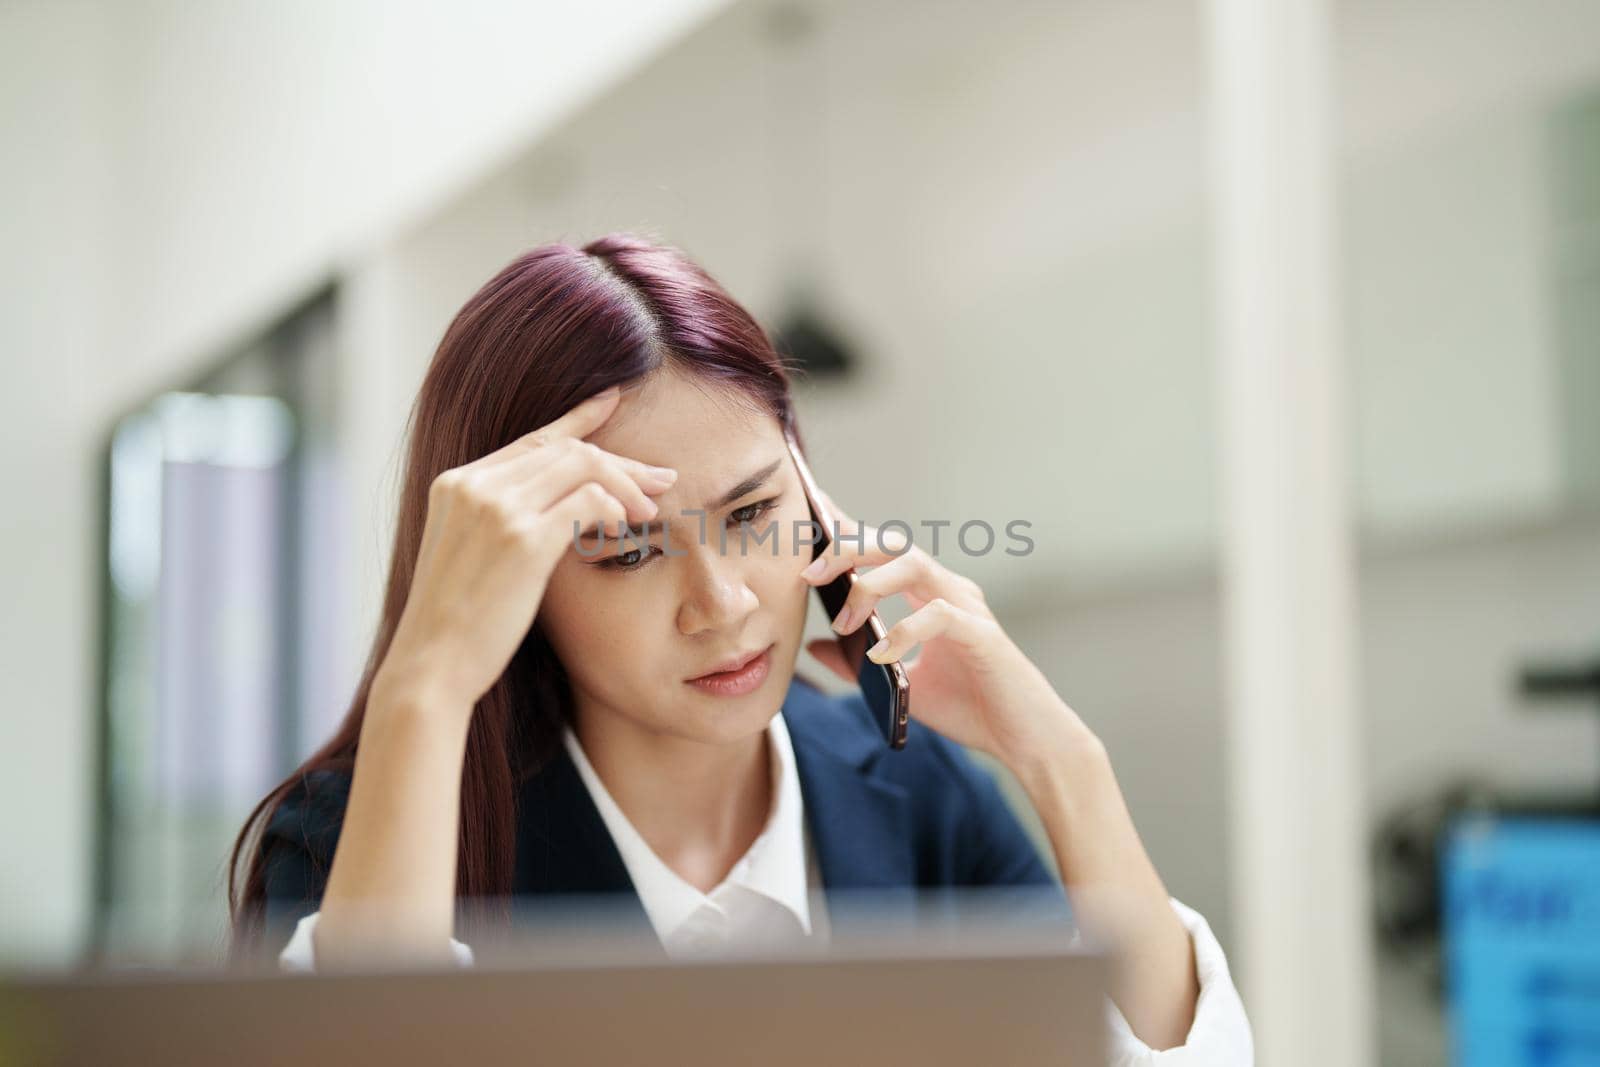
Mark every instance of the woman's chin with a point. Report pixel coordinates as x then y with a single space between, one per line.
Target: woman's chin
726 720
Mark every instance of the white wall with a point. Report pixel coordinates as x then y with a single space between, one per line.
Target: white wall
261 145
1014 230
1452 253
1012 233
177 174
55 208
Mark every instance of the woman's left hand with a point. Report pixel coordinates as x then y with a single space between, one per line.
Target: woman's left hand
970 681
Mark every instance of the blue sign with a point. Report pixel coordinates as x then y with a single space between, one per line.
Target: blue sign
1522 941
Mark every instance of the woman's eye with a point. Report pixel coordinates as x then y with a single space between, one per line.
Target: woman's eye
631 560
637 559
755 511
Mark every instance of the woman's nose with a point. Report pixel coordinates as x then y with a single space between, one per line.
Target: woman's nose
717 596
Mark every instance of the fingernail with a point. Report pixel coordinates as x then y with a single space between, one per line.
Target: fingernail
815 567
664 475
878 649
842 623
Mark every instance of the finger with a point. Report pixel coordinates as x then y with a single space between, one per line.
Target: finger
577 462
859 545
826 651
651 478
586 507
916 574
577 422
936 618
583 418
531 465
522 492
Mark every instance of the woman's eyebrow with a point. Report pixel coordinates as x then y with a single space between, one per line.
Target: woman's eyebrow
749 485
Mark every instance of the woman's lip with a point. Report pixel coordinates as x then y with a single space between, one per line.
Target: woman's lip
746 679
730 670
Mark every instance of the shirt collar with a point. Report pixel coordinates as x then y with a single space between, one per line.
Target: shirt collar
774 865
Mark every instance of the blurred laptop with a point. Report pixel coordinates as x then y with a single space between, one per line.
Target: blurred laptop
992 993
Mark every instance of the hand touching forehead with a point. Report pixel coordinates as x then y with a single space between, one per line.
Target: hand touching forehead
713 437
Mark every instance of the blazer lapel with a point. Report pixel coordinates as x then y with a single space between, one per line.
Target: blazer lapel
860 824
565 855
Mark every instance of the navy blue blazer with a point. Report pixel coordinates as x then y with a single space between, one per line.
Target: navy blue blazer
904 825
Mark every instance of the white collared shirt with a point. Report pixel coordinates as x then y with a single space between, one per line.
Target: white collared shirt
771 896
764 899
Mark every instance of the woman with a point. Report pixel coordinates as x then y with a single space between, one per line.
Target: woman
544 714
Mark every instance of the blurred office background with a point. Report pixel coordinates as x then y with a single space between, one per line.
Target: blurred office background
234 233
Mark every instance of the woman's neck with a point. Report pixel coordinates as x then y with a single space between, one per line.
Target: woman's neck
698 806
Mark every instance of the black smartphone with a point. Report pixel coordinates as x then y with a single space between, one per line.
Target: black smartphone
884 685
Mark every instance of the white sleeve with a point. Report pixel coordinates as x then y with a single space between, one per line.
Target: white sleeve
297 955
1220 1034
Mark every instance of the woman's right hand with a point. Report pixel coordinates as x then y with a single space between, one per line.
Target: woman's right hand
496 528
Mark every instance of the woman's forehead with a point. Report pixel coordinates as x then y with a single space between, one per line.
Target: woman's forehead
695 428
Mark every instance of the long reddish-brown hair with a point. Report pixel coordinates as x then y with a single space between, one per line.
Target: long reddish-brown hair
556 325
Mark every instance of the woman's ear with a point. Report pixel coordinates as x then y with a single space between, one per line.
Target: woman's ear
826 651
